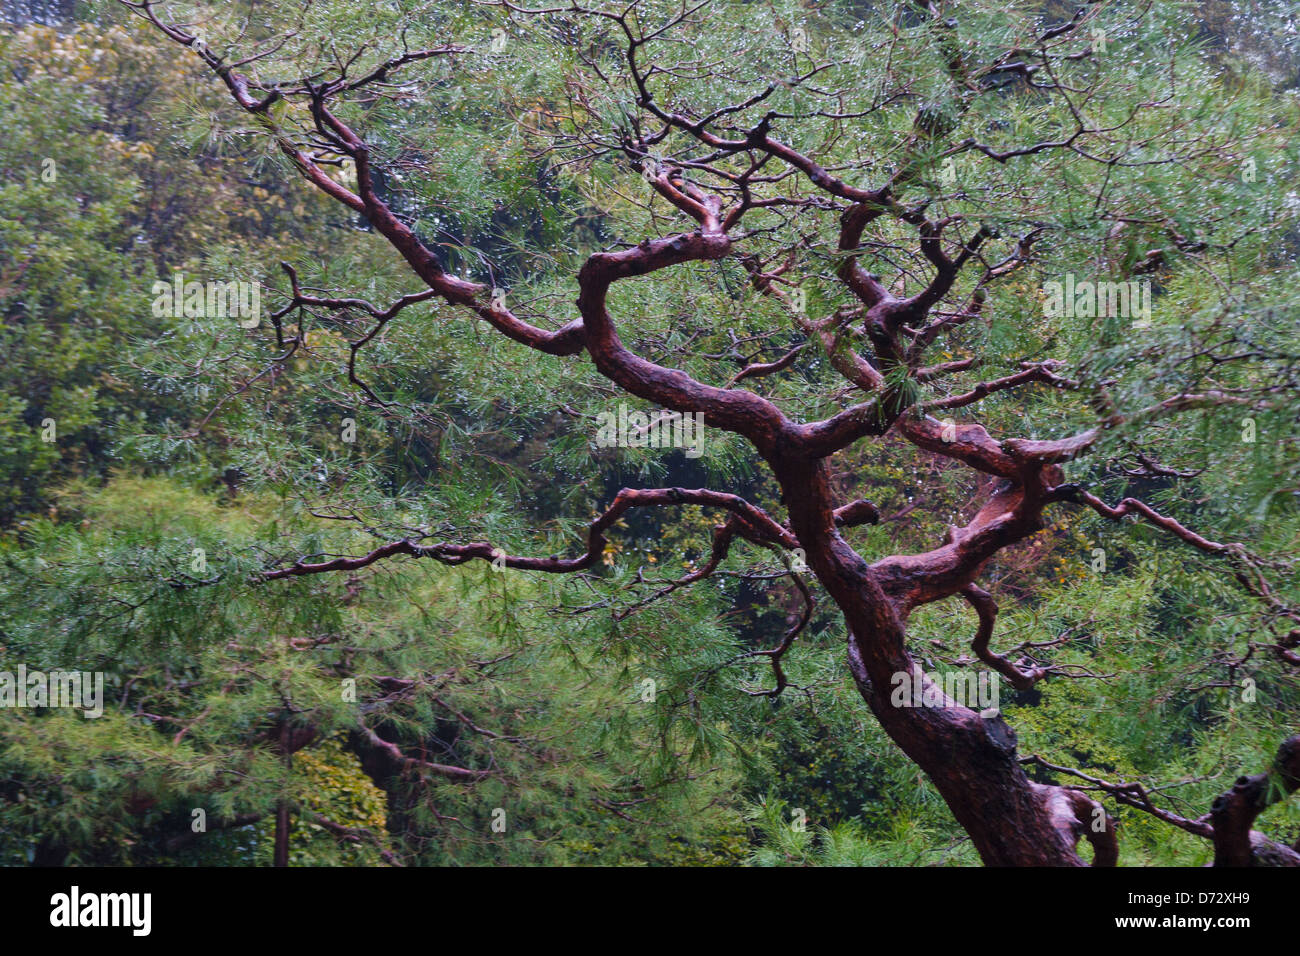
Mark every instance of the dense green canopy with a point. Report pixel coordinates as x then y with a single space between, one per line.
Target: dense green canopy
167 476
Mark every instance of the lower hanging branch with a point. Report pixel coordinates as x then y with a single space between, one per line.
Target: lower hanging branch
987 610
1077 816
1233 813
755 523
796 628
1231 818
355 835
401 762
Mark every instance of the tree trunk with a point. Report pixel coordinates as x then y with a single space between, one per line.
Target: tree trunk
971 760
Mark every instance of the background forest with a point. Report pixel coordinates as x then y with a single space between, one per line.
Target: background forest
411 713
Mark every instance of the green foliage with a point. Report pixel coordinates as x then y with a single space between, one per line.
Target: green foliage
181 437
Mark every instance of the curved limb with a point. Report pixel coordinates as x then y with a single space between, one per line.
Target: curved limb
987 609
756 523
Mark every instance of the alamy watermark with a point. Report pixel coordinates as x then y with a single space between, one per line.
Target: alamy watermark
77 909
79 689
1086 299
195 300
629 428
977 691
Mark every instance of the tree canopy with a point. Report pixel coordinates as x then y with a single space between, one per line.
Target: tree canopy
675 434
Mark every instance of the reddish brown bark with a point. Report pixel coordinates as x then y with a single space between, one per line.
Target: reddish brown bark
1233 814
